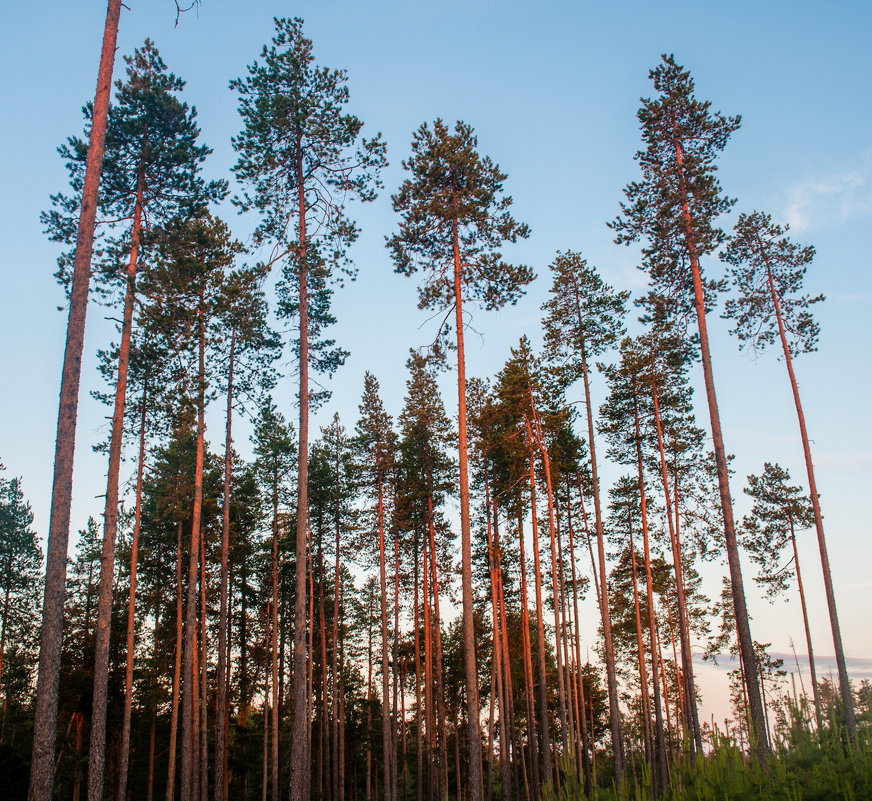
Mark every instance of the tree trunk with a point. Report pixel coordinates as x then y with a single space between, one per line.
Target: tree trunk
643 672
386 709
652 618
740 606
419 737
131 608
528 667
814 684
204 681
844 683
684 617
188 698
274 651
608 644
299 736
475 787
585 744
221 678
51 634
177 674
547 770
442 748
432 777
97 745
546 463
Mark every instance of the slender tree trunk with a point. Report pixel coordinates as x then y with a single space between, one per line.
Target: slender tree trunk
585 744
684 617
396 671
221 678
507 704
546 463
442 748
189 699
740 606
814 684
432 775
369 701
532 746
337 789
274 651
497 676
131 608
844 683
608 643
266 713
386 709
548 773
204 680
419 737
97 745
475 787
643 672
299 736
51 633
177 673
652 618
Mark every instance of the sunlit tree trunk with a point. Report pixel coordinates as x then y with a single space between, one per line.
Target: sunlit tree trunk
844 683
42 770
222 677
532 746
189 699
177 673
475 786
131 609
608 644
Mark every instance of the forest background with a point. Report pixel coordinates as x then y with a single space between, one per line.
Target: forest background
552 92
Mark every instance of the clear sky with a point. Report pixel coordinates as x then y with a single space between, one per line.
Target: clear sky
552 89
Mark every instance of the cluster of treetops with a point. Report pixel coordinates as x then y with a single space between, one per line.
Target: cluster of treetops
282 626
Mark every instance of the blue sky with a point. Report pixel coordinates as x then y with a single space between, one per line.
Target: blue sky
552 91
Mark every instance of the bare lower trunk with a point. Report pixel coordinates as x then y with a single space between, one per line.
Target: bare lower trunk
814 684
177 674
684 627
472 704
608 644
643 671
131 616
51 633
532 747
652 619
547 770
274 651
442 749
746 644
844 683
299 735
386 708
189 699
97 745
221 677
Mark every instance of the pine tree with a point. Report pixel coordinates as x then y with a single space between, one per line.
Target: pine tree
250 350
274 461
20 563
584 318
374 447
675 207
301 156
768 269
150 173
454 221
779 510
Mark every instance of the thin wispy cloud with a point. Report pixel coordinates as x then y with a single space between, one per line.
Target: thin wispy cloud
825 200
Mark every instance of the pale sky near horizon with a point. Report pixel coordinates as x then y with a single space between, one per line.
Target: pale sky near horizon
552 91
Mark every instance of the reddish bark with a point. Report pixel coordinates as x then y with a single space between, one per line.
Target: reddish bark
51 633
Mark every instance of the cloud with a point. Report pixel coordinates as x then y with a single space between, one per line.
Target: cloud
825 200
858 667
